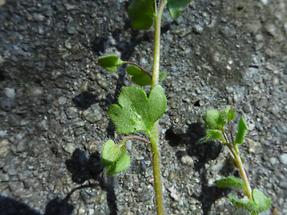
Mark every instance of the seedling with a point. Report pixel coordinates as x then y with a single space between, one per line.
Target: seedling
138 112
220 127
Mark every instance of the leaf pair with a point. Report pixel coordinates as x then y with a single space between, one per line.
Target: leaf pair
135 112
141 12
259 203
115 157
216 121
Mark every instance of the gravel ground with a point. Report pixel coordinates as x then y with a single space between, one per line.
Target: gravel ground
53 99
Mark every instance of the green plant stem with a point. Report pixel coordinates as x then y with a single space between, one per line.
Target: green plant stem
242 173
154 137
154 140
156 52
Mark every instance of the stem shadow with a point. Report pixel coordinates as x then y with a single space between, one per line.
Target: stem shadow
203 152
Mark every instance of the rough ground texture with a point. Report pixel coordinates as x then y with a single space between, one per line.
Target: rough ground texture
54 97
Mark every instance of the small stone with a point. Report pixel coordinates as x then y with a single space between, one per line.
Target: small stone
69 6
10 93
71 29
198 29
38 17
283 158
68 45
69 147
273 160
2 2
187 160
3 133
93 114
4 148
174 194
62 100
6 104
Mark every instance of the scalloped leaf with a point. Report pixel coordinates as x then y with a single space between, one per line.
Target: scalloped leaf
136 112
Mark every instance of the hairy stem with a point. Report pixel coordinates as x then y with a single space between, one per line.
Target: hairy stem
154 137
242 173
156 52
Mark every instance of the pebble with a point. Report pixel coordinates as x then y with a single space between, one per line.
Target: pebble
273 160
69 147
174 194
4 148
187 160
93 114
10 93
6 104
2 2
283 158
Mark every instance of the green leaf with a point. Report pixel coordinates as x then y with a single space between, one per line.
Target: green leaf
162 76
122 163
115 157
175 7
141 13
111 152
136 112
230 182
243 203
231 113
242 129
110 62
211 118
139 76
215 135
262 202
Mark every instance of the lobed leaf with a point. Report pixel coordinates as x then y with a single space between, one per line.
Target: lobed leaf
262 202
242 129
115 158
136 112
110 62
138 76
141 13
243 203
231 113
211 118
214 135
175 7
230 182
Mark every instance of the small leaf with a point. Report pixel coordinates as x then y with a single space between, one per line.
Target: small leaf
242 129
243 203
110 62
230 182
262 202
115 157
141 13
136 112
122 164
231 113
162 76
139 76
111 152
211 118
214 135
175 7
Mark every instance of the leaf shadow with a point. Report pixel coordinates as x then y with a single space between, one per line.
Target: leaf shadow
203 152
85 167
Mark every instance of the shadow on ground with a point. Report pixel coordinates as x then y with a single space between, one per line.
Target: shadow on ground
203 152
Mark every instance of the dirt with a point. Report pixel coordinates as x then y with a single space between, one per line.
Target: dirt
54 97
